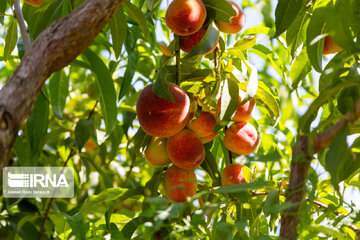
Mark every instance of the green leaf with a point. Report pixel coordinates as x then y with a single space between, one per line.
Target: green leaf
339 160
246 172
22 152
338 21
272 199
221 10
10 39
259 29
83 130
161 88
315 37
37 123
104 89
40 18
296 33
229 102
285 13
59 90
79 228
129 72
300 68
242 44
264 98
62 228
109 194
151 4
324 96
136 14
243 187
206 43
118 29
210 166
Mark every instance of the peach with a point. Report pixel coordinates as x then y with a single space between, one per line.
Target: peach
179 184
189 42
330 46
90 147
156 152
241 138
186 150
243 112
185 17
237 22
160 117
35 3
203 126
232 174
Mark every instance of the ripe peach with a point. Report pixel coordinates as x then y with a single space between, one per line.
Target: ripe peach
185 17
243 112
160 117
156 153
186 150
203 126
189 42
35 3
241 138
237 22
330 46
179 184
90 147
232 174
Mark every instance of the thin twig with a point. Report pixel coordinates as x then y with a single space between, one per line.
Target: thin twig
177 58
92 110
127 177
42 229
23 28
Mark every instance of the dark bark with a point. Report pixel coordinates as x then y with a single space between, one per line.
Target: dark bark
54 48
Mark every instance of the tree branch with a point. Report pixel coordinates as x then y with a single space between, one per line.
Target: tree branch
55 47
23 29
299 170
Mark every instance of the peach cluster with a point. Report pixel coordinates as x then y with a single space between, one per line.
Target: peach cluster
187 18
177 139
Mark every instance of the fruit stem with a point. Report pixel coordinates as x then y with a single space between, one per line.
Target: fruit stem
177 57
230 153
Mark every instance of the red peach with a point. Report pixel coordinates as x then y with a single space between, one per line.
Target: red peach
232 174
179 184
241 138
185 17
186 150
35 3
160 117
156 152
330 46
189 42
237 22
203 126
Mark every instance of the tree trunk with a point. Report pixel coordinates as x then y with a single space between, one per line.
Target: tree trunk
54 48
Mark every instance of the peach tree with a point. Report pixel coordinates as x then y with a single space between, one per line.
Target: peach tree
193 119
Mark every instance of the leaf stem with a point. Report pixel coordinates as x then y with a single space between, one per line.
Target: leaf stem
177 57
